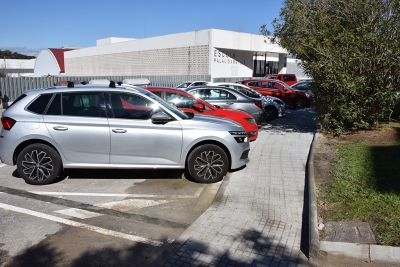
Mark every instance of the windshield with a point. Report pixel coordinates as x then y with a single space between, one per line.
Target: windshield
184 85
249 92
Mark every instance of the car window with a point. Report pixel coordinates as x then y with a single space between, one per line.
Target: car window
289 78
131 106
201 93
302 86
179 100
159 94
248 92
266 84
217 94
184 85
277 85
39 104
198 83
254 84
55 106
87 104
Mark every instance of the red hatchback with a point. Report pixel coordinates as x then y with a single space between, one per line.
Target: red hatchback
295 98
189 103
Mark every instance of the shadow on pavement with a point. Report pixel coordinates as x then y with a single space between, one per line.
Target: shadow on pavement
300 121
199 254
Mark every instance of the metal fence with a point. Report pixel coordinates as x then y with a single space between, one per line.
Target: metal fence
13 87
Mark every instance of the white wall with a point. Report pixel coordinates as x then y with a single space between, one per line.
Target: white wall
46 64
15 67
231 63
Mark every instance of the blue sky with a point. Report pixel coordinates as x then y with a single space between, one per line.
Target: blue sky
28 26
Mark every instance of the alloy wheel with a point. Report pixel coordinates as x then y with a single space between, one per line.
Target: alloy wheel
37 165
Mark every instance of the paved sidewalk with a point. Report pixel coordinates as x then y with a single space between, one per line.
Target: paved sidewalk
258 221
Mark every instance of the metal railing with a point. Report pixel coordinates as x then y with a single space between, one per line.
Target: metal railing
13 87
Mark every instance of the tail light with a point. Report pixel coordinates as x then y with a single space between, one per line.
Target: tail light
259 104
7 123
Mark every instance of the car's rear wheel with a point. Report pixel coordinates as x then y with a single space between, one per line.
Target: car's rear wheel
38 164
299 103
270 113
207 164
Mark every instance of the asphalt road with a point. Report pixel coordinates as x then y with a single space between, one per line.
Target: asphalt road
93 217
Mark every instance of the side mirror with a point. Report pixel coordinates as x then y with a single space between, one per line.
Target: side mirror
198 107
160 118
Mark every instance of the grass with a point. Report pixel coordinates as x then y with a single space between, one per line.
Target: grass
367 184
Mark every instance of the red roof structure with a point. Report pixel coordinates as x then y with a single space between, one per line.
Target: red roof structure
59 55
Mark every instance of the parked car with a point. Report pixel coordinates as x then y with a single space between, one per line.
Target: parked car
273 107
189 103
229 98
294 98
114 127
304 86
289 79
189 84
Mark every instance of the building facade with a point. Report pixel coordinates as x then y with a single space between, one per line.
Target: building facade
218 53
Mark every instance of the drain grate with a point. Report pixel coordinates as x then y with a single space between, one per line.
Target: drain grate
349 232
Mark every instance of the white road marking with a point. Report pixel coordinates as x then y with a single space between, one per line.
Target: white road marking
78 213
196 195
2 165
82 225
128 204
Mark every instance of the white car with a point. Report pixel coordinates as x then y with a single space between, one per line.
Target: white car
189 84
273 106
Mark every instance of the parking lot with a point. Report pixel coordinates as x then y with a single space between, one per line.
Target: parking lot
86 211
117 218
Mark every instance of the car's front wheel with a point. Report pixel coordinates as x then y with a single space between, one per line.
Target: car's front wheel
207 164
299 103
38 164
270 113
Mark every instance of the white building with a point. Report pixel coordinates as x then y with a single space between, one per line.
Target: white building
218 53
17 67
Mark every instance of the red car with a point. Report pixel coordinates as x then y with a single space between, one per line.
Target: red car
189 103
294 98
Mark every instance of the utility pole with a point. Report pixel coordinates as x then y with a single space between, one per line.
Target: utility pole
5 67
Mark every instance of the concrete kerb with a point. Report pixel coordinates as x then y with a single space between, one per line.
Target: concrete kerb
322 249
313 214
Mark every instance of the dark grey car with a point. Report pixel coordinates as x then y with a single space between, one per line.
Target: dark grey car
229 98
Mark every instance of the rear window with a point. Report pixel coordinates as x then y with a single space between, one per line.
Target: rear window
39 104
16 100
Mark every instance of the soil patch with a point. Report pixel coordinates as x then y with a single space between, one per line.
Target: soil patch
325 158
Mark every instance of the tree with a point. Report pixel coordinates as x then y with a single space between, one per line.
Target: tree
351 50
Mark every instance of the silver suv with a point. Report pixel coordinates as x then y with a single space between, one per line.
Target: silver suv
97 126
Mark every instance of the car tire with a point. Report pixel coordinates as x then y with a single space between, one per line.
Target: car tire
207 164
299 103
38 164
270 113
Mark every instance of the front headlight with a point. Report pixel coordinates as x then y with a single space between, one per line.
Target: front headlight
251 121
240 139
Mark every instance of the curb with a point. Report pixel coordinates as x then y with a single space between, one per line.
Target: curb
322 249
313 215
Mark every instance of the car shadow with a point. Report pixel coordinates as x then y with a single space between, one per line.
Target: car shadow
300 121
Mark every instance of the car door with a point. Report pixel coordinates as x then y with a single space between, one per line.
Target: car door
135 139
78 124
217 97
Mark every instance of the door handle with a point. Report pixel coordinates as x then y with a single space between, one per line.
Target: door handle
119 130
230 103
60 128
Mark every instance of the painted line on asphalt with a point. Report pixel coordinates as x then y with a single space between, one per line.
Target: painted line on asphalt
82 225
78 213
2 165
196 195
